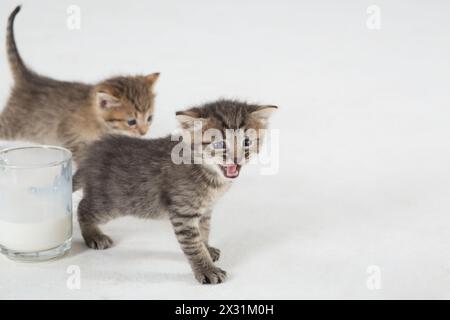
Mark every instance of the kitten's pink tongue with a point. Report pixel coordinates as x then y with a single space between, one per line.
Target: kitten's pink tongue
231 170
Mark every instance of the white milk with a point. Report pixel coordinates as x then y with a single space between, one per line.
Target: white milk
39 236
35 202
30 223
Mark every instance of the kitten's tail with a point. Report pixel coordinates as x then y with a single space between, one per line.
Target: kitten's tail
77 181
18 68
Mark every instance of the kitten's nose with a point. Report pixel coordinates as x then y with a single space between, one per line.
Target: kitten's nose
142 130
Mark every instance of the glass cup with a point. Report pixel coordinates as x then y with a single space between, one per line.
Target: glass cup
35 202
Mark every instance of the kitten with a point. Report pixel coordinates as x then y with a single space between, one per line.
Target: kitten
128 176
72 114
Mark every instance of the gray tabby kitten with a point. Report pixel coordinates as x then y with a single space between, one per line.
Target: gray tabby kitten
128 176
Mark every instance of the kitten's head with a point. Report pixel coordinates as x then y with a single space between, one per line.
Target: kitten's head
127 103
230 132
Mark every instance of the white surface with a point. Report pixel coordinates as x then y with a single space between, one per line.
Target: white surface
364 144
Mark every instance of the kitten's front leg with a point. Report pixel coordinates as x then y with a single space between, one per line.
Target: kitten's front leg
205 222
187 230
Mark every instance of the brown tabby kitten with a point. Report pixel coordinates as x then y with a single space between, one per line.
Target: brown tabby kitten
139 177
73 114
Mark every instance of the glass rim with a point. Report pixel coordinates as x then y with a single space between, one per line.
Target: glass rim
67 157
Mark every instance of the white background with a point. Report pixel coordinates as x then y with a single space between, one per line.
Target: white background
364 143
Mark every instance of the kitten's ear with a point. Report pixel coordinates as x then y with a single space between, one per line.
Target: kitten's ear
151 78
263 113
106 100
190 120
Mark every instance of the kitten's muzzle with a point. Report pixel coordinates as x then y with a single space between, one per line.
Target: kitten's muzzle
230 171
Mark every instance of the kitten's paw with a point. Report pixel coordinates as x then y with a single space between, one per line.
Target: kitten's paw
99 242
214 253
211 275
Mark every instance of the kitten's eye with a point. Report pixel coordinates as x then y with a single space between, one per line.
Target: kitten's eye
247 142
150 118
219 145
132 122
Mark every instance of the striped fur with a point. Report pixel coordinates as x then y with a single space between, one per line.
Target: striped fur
70 114
127 176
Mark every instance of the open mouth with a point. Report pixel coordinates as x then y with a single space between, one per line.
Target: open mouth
230 170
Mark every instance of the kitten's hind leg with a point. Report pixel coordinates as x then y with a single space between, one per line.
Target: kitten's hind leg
89 221
7 129
95 238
